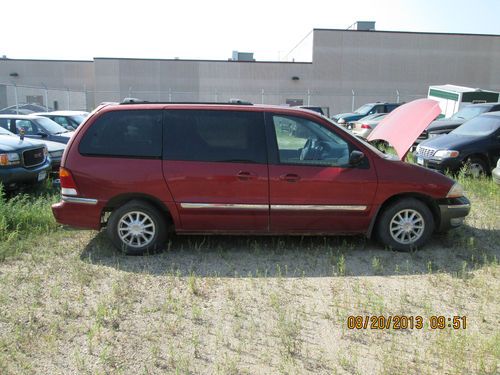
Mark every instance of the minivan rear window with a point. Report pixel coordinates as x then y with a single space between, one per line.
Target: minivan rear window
214 136
128 133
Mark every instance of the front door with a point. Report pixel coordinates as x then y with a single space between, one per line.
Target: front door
215 165
313 189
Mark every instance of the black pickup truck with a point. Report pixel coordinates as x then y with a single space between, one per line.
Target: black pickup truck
22 162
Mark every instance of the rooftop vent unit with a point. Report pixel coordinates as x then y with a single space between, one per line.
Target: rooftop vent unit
365 25
362 26
242 56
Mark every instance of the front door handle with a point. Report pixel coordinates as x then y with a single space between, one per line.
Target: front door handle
290 177
245 176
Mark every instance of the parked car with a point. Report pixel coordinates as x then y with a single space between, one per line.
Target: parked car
496 173
69 120
140 169
444 126
475 144
325 111
36 127
55 149
364 126
23 109
22 162
345 119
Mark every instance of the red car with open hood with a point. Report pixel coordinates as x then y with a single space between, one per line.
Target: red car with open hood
144 170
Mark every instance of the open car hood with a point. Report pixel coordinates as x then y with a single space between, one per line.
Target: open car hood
401 127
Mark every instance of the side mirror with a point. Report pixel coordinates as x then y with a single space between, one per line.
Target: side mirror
356 157
43 134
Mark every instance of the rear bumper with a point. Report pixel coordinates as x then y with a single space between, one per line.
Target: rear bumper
453 213
362 133
78 212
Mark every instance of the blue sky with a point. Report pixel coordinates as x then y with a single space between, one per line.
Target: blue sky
57 29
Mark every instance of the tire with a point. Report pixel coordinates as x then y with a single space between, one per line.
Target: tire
476 167
405 225
137 227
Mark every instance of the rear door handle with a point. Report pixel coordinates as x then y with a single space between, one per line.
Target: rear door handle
245 176
290 177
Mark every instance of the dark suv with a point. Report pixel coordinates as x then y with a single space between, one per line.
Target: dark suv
346 119
142 169
444 126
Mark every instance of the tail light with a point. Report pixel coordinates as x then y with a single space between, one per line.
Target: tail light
365 126
68 186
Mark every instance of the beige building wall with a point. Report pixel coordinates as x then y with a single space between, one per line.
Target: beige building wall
349 68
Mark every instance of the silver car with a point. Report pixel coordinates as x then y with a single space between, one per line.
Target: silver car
364 126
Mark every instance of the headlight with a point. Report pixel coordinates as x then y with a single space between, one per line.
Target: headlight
341 121
456 191
11 158
442 154
55 154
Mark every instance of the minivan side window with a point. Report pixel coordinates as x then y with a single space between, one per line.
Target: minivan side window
301 141
125 133
214 136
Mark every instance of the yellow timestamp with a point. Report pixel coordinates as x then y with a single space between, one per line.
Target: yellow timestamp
406 322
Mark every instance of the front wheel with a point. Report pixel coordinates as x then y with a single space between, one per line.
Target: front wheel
405 225
137 227
476 167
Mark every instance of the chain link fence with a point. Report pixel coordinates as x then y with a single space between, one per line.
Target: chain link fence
336 101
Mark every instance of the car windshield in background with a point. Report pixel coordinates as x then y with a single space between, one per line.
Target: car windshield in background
478 127
4 132
78 118
468 112
364 109
50 126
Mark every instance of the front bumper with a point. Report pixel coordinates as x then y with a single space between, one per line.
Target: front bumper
452 213
11 178
440 165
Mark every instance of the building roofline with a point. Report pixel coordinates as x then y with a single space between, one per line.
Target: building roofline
406 32
47 60
203 60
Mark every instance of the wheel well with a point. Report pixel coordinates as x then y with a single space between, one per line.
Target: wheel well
479 156
122 199
428 201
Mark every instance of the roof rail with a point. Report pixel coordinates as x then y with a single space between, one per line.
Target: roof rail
140 101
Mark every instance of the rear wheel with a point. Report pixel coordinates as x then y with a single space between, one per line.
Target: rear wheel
137 227
405 225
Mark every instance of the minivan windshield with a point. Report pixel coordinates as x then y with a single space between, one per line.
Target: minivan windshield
469 112
359 139
50 126
479 126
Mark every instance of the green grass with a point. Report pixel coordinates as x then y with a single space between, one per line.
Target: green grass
71 303
25 216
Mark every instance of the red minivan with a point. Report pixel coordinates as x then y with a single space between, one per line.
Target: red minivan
146 169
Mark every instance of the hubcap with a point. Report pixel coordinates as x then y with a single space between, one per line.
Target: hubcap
476 170
136 229
407 226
